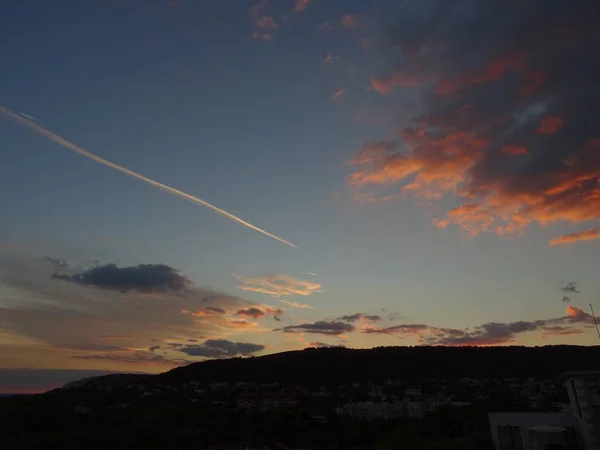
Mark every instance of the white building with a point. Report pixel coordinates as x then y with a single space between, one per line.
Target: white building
578 429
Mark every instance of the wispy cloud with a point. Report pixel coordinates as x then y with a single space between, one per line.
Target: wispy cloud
568 289
266 22
329 58
295 304
301 5
339 94
585 235
349 20
360 316
325 26
261 36
255 313
75 148
278 285
329 328
258 8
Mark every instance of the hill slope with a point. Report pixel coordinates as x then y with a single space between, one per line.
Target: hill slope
339 364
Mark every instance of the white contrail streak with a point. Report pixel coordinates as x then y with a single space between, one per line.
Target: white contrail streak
75 148
27 116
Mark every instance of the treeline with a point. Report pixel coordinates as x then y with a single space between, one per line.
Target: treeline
383 363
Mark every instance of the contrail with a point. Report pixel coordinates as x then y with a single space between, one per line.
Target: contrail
75 148
27 116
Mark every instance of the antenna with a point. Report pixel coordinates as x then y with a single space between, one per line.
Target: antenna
595 321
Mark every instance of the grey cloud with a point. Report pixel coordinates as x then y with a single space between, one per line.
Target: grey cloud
143 278
570 287
221 348
404 329
491 333
358 316
320 327
255 313
59 263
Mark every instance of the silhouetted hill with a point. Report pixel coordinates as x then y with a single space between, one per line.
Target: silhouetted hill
115 379
341 364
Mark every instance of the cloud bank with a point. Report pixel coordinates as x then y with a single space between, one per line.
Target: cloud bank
505 120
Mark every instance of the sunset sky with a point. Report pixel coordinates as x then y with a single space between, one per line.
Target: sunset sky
416 172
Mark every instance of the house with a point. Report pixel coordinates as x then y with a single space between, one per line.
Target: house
321 392
370 410
265 401
375 390
219 386
413 394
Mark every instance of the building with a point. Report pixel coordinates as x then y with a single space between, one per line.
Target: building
265 401
584 396
370 410
576 428
535 431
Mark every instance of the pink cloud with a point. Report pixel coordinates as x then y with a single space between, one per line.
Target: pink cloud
585 235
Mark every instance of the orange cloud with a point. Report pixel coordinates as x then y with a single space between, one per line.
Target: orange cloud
262 36
396 78
550 125
339 94
301 5
266 22
577 314
257 9
440 223
432 166
491 71
278 285
514 150
349 20
486 132
242 324
295 304
372 151
586 235
329 58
